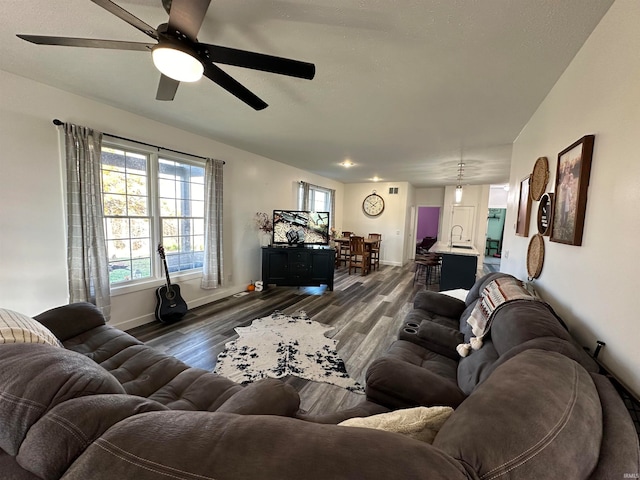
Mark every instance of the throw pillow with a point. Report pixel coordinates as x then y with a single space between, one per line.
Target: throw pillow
419 423
18 328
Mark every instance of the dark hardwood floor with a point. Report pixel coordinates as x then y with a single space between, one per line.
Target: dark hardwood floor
365 311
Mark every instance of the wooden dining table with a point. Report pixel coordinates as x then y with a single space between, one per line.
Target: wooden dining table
368 243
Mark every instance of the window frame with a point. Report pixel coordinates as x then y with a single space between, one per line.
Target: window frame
312 199
157 277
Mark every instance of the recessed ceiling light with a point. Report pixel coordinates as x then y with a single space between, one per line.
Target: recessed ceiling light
347 164
376 179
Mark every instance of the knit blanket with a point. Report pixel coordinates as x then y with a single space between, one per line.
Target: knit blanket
496 294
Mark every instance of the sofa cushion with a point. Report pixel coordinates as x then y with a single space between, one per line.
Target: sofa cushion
55 441
520 321
18 328
476 367
525 417
268 396
421 423
35 378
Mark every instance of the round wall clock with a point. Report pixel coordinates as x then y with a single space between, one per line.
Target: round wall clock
373 205
545 213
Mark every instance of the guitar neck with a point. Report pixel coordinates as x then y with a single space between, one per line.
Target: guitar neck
166 272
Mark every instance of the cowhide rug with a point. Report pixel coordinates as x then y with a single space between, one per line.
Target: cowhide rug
281 345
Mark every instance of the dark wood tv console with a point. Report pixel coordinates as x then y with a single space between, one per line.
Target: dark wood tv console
298 266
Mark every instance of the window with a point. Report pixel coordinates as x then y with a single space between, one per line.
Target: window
181 195
149 200
319 199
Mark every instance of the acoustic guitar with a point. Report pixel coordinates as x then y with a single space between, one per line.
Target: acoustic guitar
170 306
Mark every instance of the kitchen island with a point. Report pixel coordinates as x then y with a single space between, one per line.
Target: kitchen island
459 265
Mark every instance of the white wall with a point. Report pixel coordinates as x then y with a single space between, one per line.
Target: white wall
594 287
498 196
32 238
392 223
429 197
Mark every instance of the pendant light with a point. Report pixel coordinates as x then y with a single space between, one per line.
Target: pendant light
458 194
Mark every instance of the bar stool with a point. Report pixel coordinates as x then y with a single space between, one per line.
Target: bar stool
375 250
344 250
430 267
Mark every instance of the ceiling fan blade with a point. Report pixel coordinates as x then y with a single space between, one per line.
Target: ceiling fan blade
167 88
257 61
186 16
231 85
87 42
131 19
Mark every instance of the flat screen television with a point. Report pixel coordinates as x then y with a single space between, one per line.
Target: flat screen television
295 227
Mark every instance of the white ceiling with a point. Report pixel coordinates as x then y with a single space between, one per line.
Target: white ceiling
403 88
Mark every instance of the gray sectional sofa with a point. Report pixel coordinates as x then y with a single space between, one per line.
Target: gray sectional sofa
107 407
423 366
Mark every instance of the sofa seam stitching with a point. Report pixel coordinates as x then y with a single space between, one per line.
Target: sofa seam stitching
143 462
70 427
21 401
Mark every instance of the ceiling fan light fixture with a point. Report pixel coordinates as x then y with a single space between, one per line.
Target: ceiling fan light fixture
177 63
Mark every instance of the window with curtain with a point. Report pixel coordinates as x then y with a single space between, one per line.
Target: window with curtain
316 199
151 199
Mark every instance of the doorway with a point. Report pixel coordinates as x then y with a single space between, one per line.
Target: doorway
495 227
427 228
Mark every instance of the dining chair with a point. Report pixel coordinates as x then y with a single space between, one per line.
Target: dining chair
358 255
343 250
375 250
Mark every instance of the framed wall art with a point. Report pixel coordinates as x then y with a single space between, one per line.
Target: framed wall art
572 182
524 209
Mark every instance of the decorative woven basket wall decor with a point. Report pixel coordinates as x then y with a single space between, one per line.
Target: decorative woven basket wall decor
539 178
535 256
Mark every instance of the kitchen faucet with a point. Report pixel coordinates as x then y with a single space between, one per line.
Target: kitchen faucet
451 234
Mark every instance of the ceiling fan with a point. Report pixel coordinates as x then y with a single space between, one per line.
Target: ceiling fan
180 57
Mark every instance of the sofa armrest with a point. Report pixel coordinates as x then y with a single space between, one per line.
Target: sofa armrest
439 304
268 396
397 384
440 339
68 321
619 451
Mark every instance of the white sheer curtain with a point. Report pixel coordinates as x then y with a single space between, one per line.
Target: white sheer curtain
86 245
212 275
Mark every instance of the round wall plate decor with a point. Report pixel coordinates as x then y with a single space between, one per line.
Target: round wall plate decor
535 256
539 178
545 214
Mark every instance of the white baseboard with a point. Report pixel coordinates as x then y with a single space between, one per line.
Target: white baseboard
193 303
